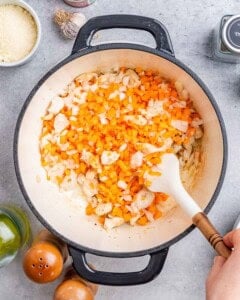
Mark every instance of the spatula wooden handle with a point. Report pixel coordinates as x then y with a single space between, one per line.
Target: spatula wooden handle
211 234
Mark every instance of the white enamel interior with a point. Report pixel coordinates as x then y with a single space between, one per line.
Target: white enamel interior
66 215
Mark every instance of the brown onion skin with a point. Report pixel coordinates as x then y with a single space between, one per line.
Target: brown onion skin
73 289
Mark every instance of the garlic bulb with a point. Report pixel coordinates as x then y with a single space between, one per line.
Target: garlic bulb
69 22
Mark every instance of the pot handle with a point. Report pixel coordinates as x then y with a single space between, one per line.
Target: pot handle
156 28
153 268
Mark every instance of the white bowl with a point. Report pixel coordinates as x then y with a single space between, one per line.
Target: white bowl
39 33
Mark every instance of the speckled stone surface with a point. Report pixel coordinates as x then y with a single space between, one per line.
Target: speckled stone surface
189 23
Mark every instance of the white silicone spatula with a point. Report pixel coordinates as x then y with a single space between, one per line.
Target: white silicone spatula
170 183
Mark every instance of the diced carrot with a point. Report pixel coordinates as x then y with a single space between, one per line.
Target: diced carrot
59 179
44 163
80 147
127 217
82 167
122 69
154 173
152 209
142 221
63 139
157 214
159 197
117 212
64 155
138 70
67 172
89 209
101 220
174 93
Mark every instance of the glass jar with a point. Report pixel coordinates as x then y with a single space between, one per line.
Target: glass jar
14 232
226 39
79 3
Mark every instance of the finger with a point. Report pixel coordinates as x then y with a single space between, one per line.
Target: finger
228 239
218 262
232 239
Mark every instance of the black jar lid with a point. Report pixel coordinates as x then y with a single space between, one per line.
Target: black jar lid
231 34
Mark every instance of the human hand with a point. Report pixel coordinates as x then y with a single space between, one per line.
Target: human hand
223 281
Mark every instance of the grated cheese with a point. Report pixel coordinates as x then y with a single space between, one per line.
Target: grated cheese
18 33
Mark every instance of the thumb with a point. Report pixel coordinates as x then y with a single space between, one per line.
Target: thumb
218 262
232 239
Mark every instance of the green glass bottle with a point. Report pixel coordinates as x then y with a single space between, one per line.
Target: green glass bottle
15 232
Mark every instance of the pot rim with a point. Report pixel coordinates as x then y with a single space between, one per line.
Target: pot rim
119 46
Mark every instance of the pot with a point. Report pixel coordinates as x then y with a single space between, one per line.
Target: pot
65 217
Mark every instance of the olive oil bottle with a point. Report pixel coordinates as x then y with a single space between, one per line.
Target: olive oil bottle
15 232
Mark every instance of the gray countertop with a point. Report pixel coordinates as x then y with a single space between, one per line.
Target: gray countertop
190 24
